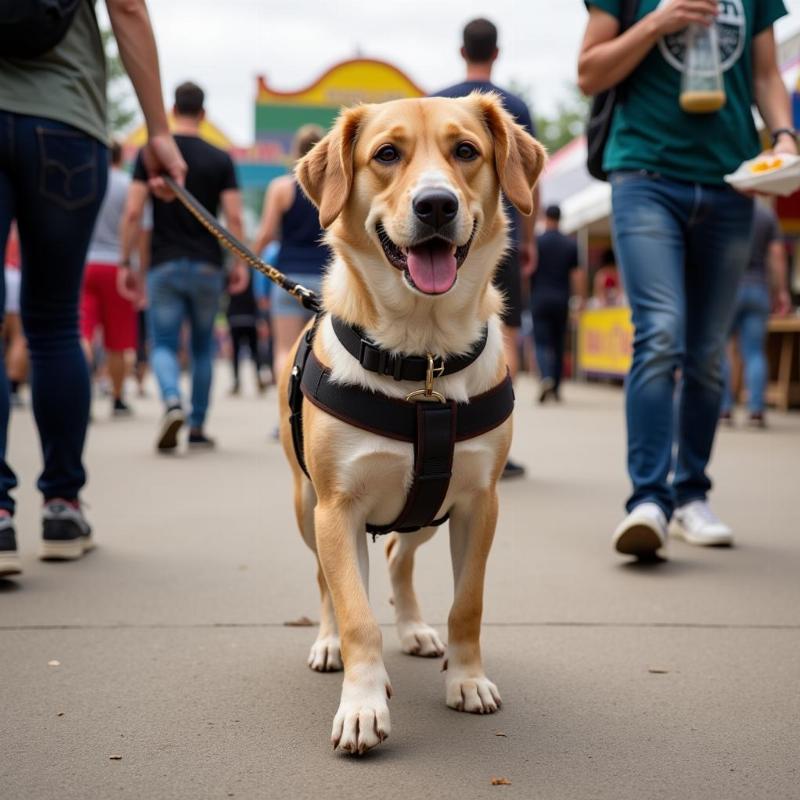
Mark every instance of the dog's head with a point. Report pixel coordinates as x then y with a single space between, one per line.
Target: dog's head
413 185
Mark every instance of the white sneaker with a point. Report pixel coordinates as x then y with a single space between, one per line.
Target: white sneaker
642 532
696 523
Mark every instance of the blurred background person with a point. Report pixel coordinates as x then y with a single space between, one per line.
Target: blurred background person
480 52
290 216
682 236
763 288
186 277
16 348
556 277
606 287
105 301
242 313
53 170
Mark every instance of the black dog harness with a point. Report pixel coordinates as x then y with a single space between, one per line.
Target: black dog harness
425 419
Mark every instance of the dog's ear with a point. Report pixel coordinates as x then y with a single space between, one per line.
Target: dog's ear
326 172
518 157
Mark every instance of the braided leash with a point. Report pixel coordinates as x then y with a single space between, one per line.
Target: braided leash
306 297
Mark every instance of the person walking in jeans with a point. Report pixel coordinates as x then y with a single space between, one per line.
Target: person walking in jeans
767 265
556 269
186 277
53 169
682 237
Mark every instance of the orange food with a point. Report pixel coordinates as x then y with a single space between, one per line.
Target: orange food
766 165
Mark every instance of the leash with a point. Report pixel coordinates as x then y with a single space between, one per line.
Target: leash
304 296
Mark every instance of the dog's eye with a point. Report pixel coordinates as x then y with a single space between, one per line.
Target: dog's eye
466 152
388 154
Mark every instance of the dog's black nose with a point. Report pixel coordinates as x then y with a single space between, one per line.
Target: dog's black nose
436 207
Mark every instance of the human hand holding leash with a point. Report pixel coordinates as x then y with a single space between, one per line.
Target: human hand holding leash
160 156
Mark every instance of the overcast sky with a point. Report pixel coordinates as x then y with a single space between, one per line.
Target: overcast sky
224 45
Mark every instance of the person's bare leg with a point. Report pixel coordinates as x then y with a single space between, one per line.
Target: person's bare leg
510 338
285 329
16 350
115 360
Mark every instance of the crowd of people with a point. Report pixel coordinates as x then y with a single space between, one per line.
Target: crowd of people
137 265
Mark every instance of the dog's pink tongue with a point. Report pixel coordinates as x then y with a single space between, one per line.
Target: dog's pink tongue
433 267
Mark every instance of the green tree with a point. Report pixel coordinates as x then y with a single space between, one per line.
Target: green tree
122 109
567 121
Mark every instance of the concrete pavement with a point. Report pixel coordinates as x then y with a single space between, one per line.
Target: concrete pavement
620 681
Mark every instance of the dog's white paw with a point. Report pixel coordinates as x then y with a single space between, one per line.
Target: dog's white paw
362 720
419 639
477 695
326 654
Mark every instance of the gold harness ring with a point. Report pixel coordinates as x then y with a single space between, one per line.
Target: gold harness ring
428 394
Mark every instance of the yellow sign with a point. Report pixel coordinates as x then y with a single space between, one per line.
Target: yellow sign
208 131
605 341
361 80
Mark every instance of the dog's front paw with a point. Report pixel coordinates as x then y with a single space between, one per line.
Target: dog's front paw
326 654
362 721
477 695
419 639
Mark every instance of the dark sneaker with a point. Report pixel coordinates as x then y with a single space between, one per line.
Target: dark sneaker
512 470
757 420
121 408
9 559
66 534
726 419
199 441
170 426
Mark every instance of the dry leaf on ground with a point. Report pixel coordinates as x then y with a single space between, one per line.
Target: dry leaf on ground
302 622
657 671
500 733
501 782
115 758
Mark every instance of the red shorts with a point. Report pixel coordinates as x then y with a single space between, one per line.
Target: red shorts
102 305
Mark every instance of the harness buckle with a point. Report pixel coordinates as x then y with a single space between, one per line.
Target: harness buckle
428 394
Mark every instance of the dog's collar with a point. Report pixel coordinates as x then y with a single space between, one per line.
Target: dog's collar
400 367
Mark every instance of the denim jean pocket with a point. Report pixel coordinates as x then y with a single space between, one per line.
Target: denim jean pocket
68 167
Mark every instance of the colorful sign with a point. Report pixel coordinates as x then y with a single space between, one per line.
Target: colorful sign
279 114
605 342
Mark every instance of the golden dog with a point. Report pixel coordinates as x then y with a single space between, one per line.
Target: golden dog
381 178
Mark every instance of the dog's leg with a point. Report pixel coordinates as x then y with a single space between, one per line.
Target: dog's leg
325 654
471 532
416 637
362 720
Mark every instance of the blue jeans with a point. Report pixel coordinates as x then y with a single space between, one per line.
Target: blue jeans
750 327
682 248
52 181
184 290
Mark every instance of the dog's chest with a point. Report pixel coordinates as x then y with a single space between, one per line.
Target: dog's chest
376 472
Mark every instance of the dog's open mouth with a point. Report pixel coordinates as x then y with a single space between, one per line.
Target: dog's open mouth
431 266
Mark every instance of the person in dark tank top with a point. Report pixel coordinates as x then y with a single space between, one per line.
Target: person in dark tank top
291 217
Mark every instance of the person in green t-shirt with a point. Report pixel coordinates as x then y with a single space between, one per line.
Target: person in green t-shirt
681 233
53 168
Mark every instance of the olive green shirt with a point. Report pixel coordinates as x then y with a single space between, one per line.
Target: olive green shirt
67 84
